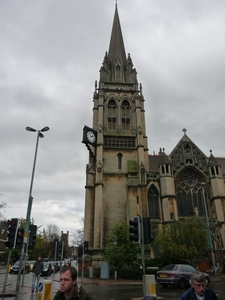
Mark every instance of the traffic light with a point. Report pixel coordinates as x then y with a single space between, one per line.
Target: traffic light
12 233
148 238
85 245
32 237
20 234
135 230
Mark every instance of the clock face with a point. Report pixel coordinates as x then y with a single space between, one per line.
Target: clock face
91 136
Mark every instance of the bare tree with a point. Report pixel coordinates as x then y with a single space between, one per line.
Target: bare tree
3 207
78 236
52 232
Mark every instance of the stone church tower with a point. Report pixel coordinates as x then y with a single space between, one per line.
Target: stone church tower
123 180
116 172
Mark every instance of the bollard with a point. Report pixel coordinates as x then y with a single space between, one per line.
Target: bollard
9 268
91 273
115 274
150 285
44 290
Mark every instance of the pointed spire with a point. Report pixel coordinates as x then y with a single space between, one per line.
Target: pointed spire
116 67
164 160
116 47
212 160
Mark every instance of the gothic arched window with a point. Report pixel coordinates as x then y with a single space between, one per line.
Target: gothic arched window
125 115
153 202
112 114
189 194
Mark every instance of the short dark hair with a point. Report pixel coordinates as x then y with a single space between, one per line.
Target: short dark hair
197 276
72 270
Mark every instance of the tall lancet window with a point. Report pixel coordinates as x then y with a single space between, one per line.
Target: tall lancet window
118 74
112 115
153 202
126 115
119 155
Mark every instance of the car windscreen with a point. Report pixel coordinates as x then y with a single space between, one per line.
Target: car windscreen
170 268
187 268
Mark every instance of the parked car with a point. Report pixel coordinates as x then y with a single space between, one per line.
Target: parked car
177 274
31 263
47 269
15 268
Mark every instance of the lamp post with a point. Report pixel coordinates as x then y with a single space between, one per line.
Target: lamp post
208 229
30 200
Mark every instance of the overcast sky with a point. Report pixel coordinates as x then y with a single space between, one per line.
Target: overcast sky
50 55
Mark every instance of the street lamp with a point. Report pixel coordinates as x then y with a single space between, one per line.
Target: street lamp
208 228
30 199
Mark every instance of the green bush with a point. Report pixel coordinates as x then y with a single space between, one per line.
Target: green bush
132 272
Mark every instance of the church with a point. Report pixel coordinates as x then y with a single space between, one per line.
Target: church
123 180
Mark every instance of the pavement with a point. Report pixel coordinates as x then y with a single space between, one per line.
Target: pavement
25 291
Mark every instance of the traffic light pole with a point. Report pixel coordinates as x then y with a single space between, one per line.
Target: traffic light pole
6 273
25 260
82 273
143 256
142 246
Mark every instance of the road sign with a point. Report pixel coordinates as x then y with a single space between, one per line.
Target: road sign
40 287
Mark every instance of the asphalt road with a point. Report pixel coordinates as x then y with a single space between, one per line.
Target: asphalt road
106 291
127 292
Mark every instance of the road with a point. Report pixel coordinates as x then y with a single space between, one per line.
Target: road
127 292
105 290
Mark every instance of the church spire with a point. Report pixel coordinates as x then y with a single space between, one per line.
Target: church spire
116 47
116 68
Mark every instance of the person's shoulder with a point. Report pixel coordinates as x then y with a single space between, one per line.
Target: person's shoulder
210 294
83 294
58 296
187 295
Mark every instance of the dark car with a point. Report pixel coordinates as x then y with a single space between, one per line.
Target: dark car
15 268
176 275
47 269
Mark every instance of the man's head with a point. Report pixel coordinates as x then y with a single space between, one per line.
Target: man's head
198 282
68 278
39 258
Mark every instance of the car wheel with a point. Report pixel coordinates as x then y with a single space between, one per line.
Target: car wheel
164 285
182 284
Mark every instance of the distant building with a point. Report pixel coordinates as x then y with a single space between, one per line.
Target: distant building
123 180
65 238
